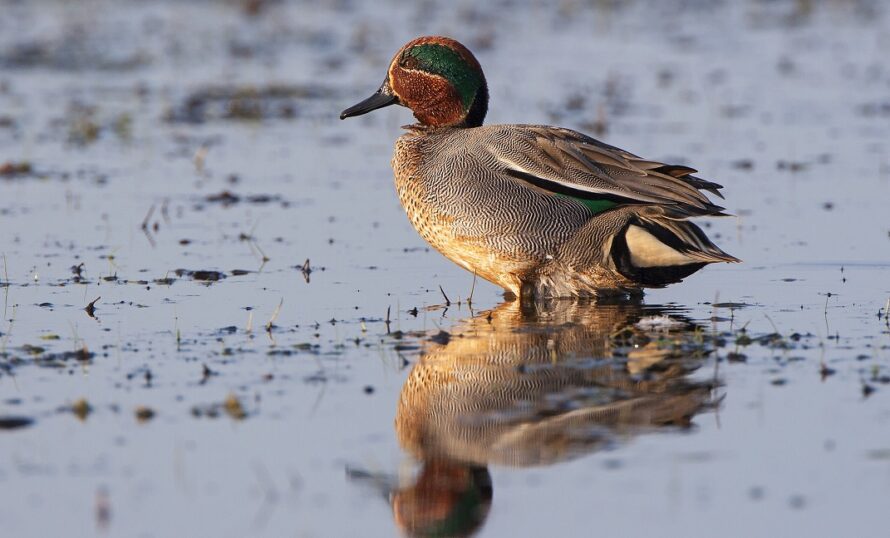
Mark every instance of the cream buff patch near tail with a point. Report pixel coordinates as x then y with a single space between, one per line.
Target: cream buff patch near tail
647 251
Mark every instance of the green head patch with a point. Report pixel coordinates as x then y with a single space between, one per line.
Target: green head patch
446 62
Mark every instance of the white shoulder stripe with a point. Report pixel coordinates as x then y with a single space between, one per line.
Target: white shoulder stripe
581 188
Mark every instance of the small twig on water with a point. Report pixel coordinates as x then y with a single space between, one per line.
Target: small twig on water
307 270
277 311
472 290
387 319
827 297
5 286
8 332
199 158
165 211
447 300
145 221
252 242
178 334
260 250
769 319
145 228
886 312
91 308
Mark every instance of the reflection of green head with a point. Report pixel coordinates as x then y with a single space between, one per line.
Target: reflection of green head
448 499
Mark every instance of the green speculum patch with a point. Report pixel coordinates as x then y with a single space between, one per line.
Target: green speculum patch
444 61
595 206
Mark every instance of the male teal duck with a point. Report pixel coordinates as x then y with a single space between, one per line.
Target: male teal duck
540 211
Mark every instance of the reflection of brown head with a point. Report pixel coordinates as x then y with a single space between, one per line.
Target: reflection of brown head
448 499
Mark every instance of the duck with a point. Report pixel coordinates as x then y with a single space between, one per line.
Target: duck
541 211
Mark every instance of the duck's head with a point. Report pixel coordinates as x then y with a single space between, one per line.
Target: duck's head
438 79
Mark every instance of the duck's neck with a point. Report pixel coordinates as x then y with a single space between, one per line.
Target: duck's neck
457 119
476 114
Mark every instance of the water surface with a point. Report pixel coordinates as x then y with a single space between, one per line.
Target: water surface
268 352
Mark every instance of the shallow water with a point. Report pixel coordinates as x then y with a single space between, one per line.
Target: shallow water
154 146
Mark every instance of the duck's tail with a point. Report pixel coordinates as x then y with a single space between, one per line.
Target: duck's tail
659 248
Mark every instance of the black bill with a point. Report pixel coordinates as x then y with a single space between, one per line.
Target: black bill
380 99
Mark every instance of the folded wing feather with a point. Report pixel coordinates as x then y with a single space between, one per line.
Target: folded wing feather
566 162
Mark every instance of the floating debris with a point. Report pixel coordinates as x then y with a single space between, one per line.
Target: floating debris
144 414
228 198
11 422
233 407
12 169
660 323
83 127
441 337
791 166
205 275
223 197
81 409
206 374
736 357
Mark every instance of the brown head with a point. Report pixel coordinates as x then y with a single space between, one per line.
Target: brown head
438 79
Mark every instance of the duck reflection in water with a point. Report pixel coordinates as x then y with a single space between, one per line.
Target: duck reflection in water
536 384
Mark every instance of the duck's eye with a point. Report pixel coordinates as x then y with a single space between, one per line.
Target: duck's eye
410 62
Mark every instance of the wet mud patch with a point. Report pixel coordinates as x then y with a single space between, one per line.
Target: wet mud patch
203 275
245 103
227 198
15 169
75 50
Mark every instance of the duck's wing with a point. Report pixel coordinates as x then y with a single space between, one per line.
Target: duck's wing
568 163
